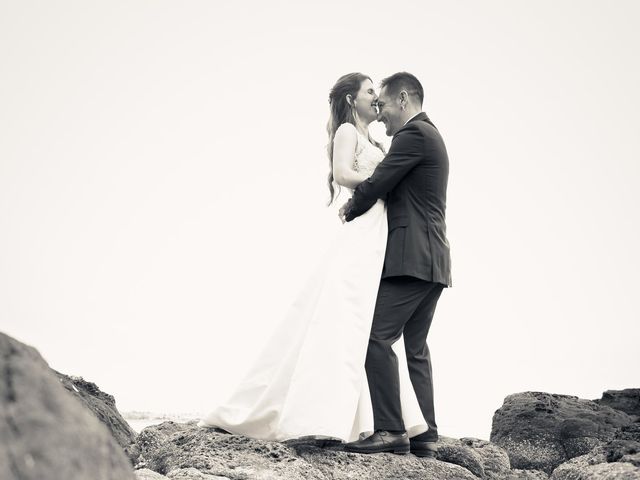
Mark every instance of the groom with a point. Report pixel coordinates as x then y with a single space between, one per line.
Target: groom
412 179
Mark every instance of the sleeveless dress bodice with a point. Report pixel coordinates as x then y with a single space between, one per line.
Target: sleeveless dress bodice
367 155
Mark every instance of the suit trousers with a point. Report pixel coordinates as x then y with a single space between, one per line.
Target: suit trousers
404 306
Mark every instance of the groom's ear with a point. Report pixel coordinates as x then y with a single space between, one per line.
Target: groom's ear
404 97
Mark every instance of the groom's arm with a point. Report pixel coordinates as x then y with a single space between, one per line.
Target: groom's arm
407 149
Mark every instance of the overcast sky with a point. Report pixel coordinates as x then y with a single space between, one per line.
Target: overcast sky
163 196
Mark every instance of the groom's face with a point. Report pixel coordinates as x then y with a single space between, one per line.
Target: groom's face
389 111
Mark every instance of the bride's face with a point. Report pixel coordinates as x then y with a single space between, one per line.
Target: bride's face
365 102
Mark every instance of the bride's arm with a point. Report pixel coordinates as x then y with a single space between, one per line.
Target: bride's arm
344 148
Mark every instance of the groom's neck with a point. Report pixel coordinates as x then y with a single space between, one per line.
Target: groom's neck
409 113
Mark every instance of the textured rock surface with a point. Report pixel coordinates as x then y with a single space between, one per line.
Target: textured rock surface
540 431
453 451
192 474
146 474
627 400
517 474
495 460
172 449
102 405
619 458
482 458
629 432
594 466
45 433
176 474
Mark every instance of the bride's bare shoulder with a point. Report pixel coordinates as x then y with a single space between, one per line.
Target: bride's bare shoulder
347 131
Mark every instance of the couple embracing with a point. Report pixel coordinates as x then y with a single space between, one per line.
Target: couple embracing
335 368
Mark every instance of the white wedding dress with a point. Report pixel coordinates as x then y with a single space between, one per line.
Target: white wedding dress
310 378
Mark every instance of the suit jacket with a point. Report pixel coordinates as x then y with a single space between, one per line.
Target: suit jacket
412 178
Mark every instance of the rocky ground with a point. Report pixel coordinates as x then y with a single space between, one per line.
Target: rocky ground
57 427
570 438
46 433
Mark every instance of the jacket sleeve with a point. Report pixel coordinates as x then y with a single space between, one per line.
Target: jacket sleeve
407 149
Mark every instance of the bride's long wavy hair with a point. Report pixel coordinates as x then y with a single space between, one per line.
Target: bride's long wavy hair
342 112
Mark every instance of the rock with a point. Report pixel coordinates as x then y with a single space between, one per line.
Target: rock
102 405
44 431
611 471
633 459
453 451
336 464
586 468
177 474
482 458
495 459
146 474
517 474
185 449
627 400
629 432
192 474
576 467
540 431
613 460
153 447
618 449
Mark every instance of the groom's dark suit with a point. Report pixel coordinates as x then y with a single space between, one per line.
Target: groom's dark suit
412 179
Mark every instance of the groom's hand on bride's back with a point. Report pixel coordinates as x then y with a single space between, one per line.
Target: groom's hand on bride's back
344 210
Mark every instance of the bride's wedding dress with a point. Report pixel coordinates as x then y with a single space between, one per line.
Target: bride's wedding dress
310 380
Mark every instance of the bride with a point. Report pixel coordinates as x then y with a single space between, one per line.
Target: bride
310 379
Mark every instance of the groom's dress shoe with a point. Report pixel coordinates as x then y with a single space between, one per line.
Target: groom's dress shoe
424 449
381 441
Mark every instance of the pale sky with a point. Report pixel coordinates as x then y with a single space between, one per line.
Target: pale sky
163 195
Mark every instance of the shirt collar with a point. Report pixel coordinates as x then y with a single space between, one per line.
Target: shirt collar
412 118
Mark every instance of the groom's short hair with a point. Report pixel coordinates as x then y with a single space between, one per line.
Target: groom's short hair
403 81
